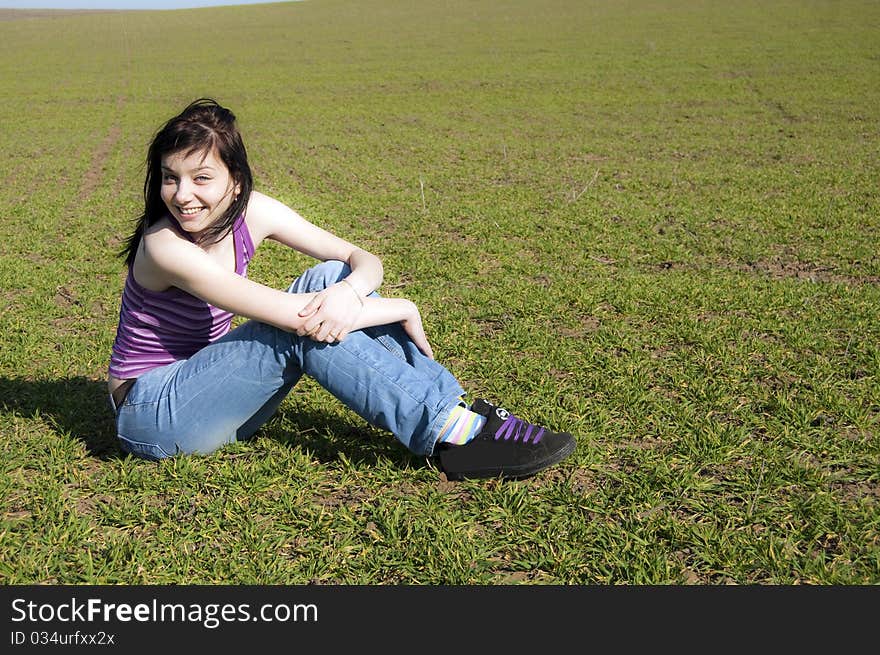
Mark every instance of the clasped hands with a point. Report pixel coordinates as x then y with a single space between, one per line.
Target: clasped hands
331 314
334 312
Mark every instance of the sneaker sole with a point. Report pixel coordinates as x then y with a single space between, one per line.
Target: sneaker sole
512 472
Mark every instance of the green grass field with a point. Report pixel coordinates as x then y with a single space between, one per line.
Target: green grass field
655 223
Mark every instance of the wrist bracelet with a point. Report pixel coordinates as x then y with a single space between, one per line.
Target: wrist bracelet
357 295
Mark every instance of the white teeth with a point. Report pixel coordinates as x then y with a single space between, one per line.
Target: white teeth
190 212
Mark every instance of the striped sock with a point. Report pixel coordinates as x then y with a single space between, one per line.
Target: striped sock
461 426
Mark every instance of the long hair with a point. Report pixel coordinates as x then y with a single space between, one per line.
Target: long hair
204 125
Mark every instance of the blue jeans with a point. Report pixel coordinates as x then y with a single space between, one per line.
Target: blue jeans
231 387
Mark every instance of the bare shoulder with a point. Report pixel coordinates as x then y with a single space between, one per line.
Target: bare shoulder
161 255
161 240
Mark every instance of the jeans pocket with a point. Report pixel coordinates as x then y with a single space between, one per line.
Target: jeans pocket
149 451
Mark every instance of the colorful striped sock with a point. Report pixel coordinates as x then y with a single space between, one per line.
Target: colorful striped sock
461 426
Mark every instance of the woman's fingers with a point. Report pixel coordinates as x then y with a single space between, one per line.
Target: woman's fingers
313 305
326 331
416 332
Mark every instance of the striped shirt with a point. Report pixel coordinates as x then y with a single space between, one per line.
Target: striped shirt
160 327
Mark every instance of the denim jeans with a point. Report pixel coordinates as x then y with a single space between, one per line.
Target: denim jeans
231 387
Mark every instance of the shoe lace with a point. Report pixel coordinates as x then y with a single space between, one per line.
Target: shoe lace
516 428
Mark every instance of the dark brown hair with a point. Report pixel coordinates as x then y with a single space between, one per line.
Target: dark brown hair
202 127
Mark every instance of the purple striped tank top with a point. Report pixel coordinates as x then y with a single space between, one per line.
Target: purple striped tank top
160 327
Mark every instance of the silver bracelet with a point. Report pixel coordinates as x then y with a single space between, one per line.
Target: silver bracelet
353 289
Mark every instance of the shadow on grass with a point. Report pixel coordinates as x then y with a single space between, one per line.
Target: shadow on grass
327 439
78 406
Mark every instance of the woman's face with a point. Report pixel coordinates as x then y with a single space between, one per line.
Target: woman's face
197 188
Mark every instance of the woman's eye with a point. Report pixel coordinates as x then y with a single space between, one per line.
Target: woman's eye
202 178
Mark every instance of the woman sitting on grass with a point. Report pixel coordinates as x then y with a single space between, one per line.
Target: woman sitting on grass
181 381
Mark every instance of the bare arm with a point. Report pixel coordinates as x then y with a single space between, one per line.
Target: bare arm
180 263
335 311
270 219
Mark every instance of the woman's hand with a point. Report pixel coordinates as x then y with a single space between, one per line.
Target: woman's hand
331 314
336 311
412 325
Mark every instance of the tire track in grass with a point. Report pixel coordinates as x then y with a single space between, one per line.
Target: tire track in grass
97 169
71 298
76 210
95 173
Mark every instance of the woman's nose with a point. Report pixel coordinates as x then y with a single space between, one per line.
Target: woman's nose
184 191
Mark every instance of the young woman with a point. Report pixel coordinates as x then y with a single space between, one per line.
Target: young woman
181 381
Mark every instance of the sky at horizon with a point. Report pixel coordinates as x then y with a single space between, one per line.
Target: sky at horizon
124 4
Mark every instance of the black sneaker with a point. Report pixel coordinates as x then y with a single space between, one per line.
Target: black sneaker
506 447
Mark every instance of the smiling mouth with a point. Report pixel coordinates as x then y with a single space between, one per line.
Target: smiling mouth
189 211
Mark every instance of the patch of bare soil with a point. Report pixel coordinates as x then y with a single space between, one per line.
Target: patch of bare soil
99 159
781 268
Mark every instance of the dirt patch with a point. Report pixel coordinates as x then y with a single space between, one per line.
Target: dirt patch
587 325
64 297
780 268
95 173
490 327
345 497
